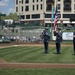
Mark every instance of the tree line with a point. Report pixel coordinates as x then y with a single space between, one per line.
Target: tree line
12 16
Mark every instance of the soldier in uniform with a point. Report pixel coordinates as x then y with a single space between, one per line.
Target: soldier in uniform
74 41
46 38
58 40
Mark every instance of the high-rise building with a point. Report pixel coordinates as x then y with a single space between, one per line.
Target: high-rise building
41 10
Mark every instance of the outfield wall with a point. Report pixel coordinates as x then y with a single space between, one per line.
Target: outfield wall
17 32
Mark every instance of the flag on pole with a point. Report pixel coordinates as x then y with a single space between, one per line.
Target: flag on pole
56 19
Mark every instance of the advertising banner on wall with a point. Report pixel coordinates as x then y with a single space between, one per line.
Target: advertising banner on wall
67 35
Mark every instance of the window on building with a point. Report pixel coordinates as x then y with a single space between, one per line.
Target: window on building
37 0
33 0
68 15
27 1
35 16
19 2
27 16
22 8
27 8
47 15
22 1
74 6
67 7
16 9
41 7
16 1
59 6
37 7
49 7
22 17
33 7
58 0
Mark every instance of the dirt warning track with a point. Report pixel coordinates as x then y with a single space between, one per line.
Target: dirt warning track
35 65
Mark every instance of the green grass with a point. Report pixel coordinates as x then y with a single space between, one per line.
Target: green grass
63 42
37 71
37 55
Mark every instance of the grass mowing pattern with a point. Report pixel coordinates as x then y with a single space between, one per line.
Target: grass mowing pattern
37 71
37 55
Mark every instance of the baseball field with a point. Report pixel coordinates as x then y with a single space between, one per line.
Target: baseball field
30 59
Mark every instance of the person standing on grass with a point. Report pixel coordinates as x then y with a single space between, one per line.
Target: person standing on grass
58 40
46 38
74 41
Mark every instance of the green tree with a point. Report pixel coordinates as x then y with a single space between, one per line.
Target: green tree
15 16
12 16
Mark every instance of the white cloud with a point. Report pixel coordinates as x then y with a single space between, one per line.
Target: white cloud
11 10
6 0
4 3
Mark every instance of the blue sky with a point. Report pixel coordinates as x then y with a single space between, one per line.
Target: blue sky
6 6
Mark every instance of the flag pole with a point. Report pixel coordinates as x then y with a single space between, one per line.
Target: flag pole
52 19
56 19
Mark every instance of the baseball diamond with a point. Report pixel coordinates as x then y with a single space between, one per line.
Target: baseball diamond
5 64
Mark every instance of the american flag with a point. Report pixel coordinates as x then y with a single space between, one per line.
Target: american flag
56 19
